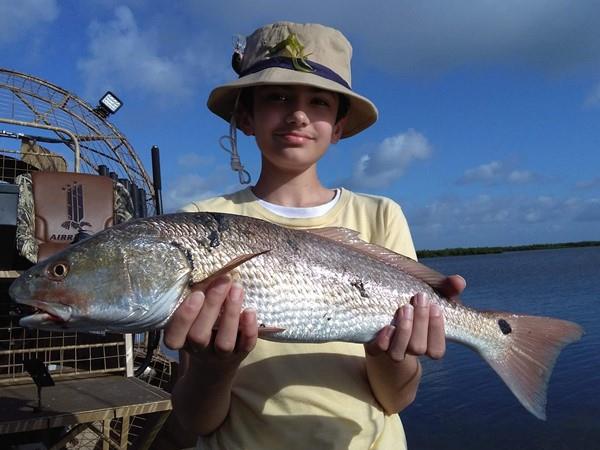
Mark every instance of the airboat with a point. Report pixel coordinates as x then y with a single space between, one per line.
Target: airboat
66 172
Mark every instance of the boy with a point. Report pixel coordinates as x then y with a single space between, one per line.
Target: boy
294 96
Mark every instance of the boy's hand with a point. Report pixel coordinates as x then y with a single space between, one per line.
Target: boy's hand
211 326
393 370
216 335
418 327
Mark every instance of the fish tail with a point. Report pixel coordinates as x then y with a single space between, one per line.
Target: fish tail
526 363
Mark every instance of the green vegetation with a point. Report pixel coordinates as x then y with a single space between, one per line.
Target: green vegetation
516 248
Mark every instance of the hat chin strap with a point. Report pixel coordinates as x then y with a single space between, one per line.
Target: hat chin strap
235 161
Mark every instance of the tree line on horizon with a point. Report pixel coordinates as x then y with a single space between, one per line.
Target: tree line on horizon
460 251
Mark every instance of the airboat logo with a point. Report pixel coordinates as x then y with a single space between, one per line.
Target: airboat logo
75 213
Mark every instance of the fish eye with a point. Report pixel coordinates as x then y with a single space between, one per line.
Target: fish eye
58 270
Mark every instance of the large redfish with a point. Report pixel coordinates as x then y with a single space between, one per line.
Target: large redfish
306 286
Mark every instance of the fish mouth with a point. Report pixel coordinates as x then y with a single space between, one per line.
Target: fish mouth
44 313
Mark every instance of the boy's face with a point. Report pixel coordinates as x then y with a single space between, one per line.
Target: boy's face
294 125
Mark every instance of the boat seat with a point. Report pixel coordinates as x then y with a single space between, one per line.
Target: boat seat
56 208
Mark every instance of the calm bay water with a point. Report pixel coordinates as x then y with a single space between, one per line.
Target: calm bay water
463 404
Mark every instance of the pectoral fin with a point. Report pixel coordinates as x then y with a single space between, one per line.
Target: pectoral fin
227 268
265 331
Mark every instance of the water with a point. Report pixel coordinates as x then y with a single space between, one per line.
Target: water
463 404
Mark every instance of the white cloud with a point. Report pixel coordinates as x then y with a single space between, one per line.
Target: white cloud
389 160
436 35
520 176
491 220
590 212
589 184
123 54
496 172
551 35
486 173
187 188
486 209
18 19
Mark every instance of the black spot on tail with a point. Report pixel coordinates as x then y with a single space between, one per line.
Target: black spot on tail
504 326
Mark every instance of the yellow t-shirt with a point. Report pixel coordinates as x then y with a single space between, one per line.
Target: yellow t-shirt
311 396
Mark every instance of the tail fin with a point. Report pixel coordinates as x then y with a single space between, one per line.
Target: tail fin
527 363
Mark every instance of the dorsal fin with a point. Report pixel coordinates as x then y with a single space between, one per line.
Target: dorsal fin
350 238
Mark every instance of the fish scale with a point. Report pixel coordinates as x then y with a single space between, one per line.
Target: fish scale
306 286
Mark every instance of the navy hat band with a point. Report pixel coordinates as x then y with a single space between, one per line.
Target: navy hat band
284 62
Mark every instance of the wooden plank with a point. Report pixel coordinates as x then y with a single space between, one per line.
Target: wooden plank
106 430
125 424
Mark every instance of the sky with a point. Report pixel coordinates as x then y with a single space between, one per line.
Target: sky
488 110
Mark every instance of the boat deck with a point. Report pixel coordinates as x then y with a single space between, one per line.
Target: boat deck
105 398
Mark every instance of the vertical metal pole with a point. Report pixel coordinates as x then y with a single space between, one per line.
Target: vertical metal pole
142 208
156 179
153 337
133 191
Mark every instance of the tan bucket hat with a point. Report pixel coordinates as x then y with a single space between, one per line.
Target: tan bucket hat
291 53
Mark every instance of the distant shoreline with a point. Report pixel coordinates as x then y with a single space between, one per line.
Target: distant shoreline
486 250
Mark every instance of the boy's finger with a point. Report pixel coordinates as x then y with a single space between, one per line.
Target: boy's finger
178 327
418 340
248 331
436 338
201 331
402 335
229 320
381 342
453 286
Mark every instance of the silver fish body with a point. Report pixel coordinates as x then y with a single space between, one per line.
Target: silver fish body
312 286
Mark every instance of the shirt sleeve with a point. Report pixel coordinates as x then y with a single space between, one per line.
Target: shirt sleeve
397 233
